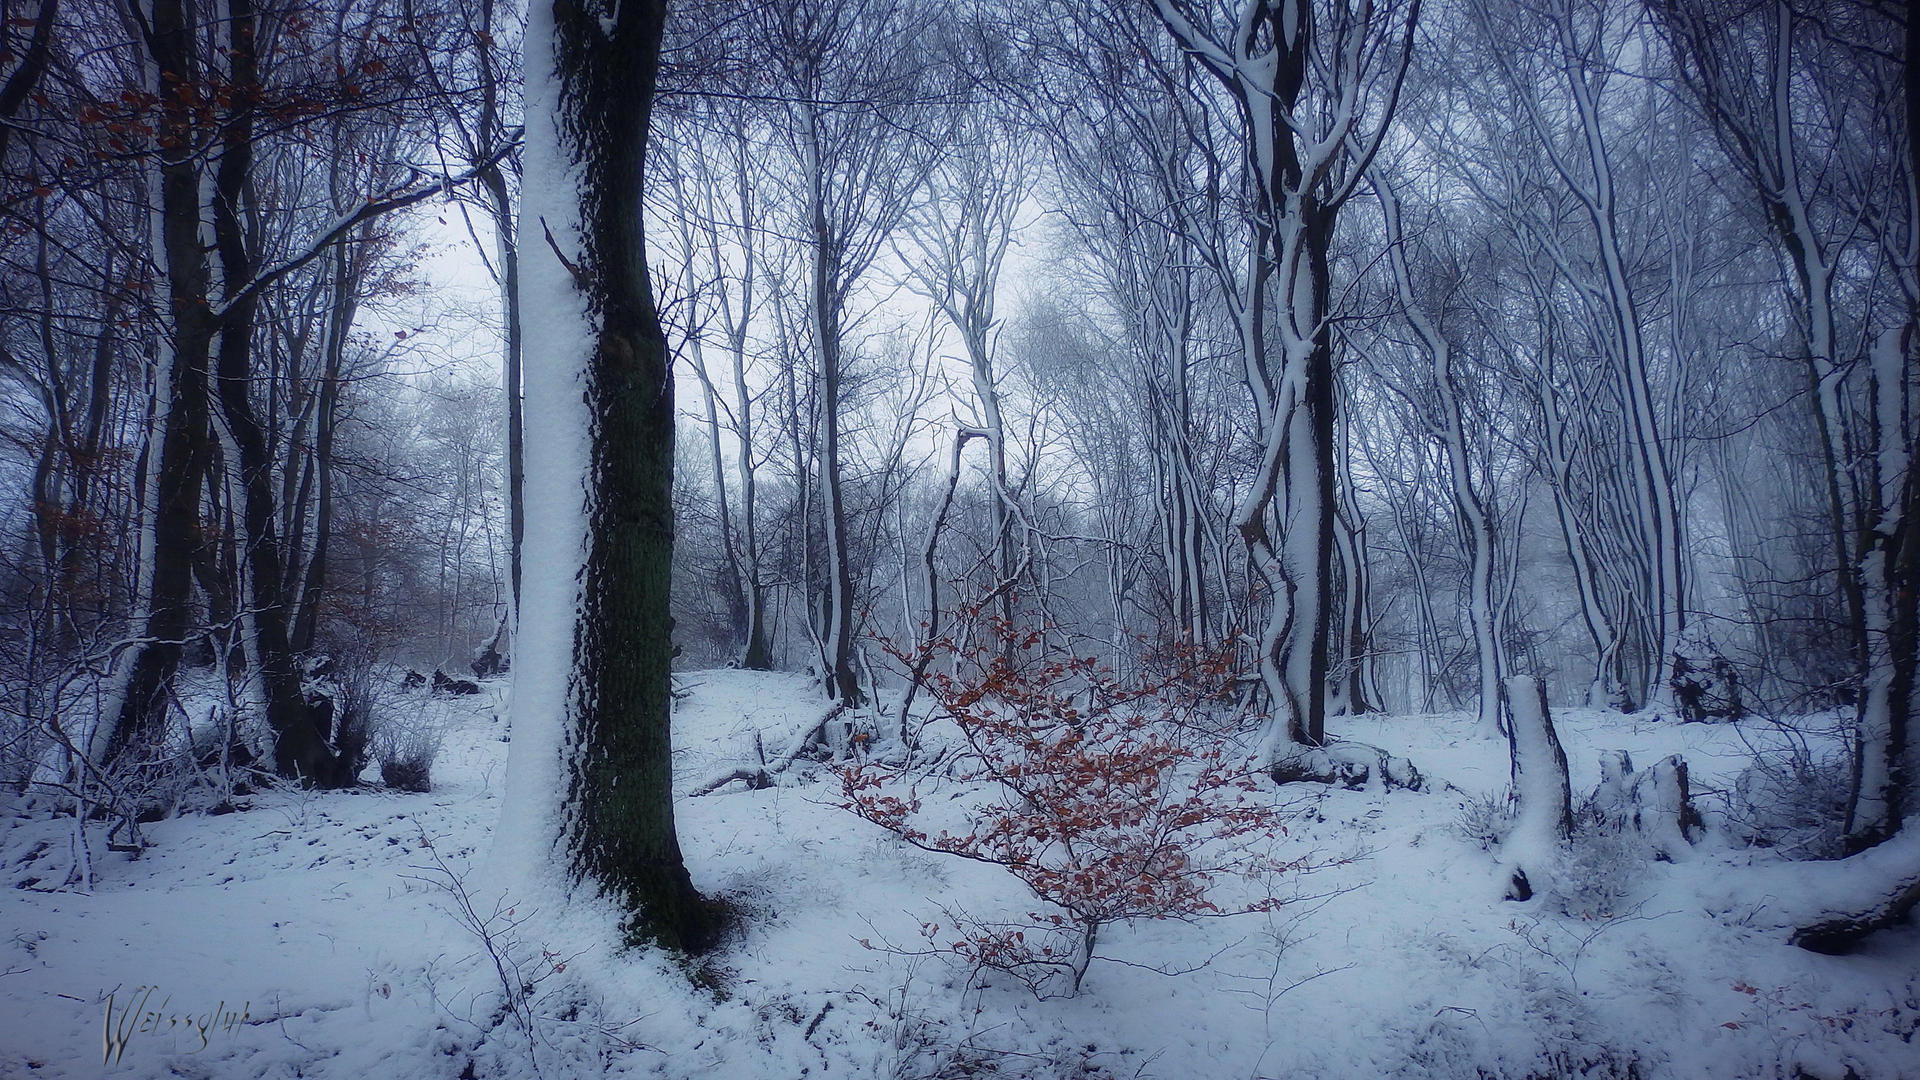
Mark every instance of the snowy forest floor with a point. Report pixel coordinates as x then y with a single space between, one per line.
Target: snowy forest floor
322 917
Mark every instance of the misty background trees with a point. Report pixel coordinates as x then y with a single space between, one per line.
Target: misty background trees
1402 348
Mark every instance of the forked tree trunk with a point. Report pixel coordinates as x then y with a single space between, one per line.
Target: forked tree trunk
1302 90
929 556
313 577
303 740
824 308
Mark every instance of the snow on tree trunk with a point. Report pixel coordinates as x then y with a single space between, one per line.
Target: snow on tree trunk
733 579
838 633
496 656
1884 772
1664 812
1301 88
559 337
305 745
1355 683
1472 521
1875 890
1654 505
1608 688
171 512
590 777
1540 788
825 307
758 654
1612 800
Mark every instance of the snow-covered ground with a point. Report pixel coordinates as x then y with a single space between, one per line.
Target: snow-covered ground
314 936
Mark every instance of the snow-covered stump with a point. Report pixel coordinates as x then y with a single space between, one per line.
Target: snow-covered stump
495 657
1655 803
1544 795
1614 795
1704 683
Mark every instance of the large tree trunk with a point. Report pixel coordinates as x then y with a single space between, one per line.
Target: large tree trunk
618 826
1307 543
1884 770
164 583
838 629
1299 88
1886 758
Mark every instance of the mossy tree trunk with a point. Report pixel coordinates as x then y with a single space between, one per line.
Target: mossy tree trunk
619 820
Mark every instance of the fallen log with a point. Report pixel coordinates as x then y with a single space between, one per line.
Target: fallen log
1874 890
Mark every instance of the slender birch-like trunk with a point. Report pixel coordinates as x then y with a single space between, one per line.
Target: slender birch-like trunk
1473 524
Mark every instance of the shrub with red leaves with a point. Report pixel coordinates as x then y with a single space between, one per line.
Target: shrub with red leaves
1093 795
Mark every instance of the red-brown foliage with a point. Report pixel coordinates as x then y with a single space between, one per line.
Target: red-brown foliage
1095 795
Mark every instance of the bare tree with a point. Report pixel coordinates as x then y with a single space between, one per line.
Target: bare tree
1807 108
716 192
962 230
1576 46
1314 87
853 79
1473 522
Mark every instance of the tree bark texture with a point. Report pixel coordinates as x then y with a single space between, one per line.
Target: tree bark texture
165 583
620 821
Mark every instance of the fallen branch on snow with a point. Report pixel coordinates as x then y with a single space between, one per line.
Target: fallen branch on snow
757 778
